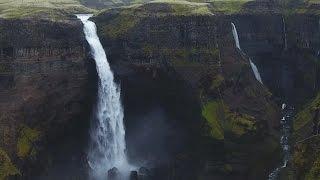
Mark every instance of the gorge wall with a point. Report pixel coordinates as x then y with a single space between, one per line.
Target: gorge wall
236 111
200 51
227 121
45 89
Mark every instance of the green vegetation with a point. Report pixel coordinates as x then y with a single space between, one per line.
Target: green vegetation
228 6
160 8
120 26
306 114
213 113
52 9
300 6
26 140
306 161
239 124
222 120
181 7
7 168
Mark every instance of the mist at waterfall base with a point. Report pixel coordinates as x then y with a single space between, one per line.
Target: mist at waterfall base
107 144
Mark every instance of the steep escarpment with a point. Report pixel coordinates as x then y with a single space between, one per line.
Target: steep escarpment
193 107
285 49
288 58
44 88
237 115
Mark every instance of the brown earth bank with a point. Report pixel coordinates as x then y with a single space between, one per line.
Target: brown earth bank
223 124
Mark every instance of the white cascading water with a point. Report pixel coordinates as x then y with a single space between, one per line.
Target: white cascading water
235 36
107 147
255 71
287 113
237 42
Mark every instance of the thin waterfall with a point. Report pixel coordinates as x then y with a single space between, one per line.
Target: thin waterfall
235 36
255 71
284 34
107 146
237 42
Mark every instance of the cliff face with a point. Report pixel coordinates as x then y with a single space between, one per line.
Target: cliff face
285 49
227 120
200 50
236 110
43 85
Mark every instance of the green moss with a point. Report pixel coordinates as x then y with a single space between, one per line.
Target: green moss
228 6
306 114
53 9
26 140
7 168
181 7
305 159
300 7
222 120
212 112
120 25
239 124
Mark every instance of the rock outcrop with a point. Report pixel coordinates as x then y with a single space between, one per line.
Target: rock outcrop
43 85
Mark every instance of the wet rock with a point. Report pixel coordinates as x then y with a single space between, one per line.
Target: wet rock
133 175
113 174
144 174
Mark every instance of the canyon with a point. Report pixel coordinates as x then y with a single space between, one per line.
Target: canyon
193 108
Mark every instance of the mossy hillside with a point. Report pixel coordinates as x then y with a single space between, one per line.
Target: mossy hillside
26 142
7 168
305 159
222 121
181 7
51 9
228 6
305 116
212 112
120 20
301 7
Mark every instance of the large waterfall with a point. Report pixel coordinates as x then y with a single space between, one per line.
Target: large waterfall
237 42
107 146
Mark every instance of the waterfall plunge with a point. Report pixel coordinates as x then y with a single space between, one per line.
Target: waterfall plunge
107 147
237 42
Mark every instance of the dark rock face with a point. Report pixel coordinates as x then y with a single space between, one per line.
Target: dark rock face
200 51
226 120
43 84
133 175
114 174
285 49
